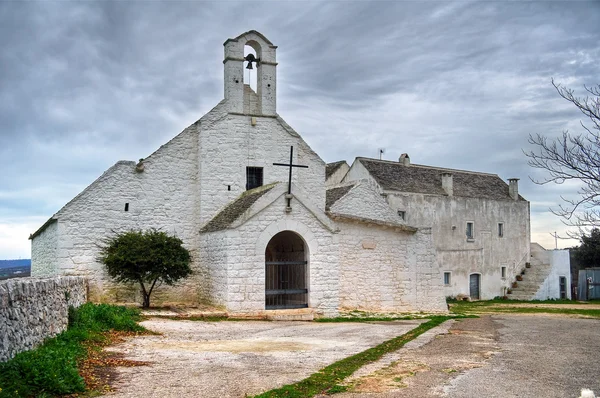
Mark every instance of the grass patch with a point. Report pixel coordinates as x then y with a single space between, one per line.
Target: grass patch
52 368
450 300
327 379
512 306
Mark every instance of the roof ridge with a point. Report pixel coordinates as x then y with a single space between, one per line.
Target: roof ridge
429 167
338 161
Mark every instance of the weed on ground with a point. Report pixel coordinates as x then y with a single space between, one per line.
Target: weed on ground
54 367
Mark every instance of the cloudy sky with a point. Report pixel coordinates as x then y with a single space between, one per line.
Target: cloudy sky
454 84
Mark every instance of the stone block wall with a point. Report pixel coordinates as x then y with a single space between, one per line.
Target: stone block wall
32 310
386 270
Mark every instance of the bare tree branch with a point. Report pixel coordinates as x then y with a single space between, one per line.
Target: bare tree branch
573 157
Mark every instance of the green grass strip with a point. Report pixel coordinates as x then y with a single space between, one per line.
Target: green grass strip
511 307
328 378
51 369
506 301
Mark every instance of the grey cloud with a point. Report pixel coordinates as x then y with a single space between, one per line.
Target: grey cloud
84 84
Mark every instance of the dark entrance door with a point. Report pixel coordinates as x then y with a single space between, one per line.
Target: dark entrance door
474 286
286 276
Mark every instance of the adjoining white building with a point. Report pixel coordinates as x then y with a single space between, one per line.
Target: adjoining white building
377 236
480 227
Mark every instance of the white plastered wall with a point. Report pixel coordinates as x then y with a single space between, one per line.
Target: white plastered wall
487 252
560 264
163 196
43 252
337 176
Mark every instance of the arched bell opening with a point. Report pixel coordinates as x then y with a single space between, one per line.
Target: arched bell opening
286 276
251 64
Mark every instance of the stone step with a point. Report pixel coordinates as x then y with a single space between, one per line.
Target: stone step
526 297
302 314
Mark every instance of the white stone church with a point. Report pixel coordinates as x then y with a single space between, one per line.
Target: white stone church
265 235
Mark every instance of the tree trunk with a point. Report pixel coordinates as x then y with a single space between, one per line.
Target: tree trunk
146 303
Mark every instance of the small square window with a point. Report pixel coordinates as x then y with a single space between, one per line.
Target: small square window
254 177
447 278
500 230
503 272
402 214
470 230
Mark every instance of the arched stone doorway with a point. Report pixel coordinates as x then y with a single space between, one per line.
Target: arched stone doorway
286 274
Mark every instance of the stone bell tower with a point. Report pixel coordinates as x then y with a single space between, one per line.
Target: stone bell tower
242 99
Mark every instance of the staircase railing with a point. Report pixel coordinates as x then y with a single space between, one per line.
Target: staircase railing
518 266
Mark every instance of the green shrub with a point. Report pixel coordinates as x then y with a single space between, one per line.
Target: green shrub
51 369
145 257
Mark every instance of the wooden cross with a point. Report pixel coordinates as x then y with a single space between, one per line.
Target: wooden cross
290 165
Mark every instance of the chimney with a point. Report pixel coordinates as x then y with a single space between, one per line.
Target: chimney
447 183
404 159
513 188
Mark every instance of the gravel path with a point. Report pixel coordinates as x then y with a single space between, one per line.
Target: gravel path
231 359
497 356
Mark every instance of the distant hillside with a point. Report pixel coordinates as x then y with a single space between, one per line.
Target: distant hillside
15 263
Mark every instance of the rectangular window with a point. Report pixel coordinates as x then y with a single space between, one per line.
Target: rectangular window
500 229
254 177
402 214
446 278
563 287
503 272
470 230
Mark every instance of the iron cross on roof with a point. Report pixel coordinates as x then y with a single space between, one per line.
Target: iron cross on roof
290 165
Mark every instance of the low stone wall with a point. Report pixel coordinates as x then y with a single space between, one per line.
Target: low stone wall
32 309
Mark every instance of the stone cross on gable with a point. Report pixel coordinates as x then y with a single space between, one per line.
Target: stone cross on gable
290 165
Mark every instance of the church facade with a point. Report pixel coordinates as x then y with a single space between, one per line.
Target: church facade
263 236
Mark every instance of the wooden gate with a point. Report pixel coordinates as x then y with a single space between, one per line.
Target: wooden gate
474 286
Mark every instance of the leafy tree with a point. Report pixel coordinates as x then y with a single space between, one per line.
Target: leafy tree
145 257
588 253
574 157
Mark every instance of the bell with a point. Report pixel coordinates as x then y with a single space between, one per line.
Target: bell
249 65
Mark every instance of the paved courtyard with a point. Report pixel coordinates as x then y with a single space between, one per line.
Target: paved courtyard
492 356
231 359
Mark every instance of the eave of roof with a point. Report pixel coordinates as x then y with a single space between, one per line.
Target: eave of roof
235 209
41 229
364 220
332 195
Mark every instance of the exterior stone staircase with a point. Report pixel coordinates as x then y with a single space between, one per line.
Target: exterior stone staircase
534 276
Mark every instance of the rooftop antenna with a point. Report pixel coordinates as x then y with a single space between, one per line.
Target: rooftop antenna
555 240
381 152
